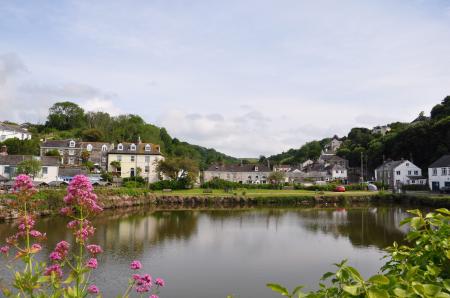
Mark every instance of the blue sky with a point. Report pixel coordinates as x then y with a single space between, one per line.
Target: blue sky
246 77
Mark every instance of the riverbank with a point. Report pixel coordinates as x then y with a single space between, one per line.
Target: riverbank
50 201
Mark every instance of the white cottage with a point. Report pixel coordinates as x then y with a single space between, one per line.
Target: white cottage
396 173
10 131
49 167
439 173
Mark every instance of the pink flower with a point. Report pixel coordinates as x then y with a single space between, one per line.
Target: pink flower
35 234
153 296
24 184
4 249
142 289
36 248
93 289
160 282
92 263
135 265
80 193
136 277
55 256
66 211
53 269
94 249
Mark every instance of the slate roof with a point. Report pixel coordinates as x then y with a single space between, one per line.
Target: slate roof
14 160
390 164
60 144
72 171
238 168
416 177
140 149
12 127
444 161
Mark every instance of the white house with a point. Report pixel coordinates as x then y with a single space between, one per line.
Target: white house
396 173
439 173
10 131
49 167
240 173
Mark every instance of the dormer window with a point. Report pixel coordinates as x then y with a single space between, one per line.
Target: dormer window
256 169
120 147
72 144
148 147
89 147
104 148
133 147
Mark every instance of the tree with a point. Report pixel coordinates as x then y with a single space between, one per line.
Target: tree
179 168
66 115
276 177
441 110
30 167
92 135
115 164
85 155
52 152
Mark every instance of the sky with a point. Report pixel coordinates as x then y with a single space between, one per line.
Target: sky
246 77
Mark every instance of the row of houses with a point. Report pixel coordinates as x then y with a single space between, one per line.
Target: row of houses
11 131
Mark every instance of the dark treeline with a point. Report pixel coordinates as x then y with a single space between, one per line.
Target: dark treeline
68 120
423 140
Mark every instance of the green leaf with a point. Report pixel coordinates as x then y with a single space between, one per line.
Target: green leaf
355 274
443 211
417 222
431 290
327 275
377 293
400 292
448 254
297 290
447 284
379 280
279 289
352 290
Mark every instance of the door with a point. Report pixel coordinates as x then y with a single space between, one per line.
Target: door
435 186
132 172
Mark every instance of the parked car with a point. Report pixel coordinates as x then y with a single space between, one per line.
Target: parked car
339 189
445 189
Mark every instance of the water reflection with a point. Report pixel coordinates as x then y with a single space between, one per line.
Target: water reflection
220 247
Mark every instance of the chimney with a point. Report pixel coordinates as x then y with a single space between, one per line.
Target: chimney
4 150
139 140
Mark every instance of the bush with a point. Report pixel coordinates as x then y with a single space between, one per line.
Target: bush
416 187
331 187
217 183
170 184
133 182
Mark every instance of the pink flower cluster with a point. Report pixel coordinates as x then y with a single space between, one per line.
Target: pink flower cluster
60 252
54 269
143 283
24 185
94 249
83 229
80 193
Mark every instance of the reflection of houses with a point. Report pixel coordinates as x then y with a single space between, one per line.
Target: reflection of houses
11 131
439 173
48 172
136 160
240 173
395 173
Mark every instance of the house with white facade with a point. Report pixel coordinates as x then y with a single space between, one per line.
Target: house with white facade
135 160
396 173
49 167
381 130
239 173
439 173
11 131
333 146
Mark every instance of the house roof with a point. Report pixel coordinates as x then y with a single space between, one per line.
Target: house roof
328 157
238 168
14 160
60 144
72 171
2 178
390 164
444 161
140 149
12 127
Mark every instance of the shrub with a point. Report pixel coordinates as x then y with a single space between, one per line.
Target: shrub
416 187
170 184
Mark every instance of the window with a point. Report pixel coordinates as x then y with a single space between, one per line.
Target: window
407 164
444 172
104 148
148 147
256 169
133 147
409 172
8 170
398 172
89 147
44 170
72 144
132 158
71 160
416 173
71 152
119 157
434 172
61 152
120 147
147 169
103 159
147 158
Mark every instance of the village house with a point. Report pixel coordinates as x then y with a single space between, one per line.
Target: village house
396 173
333 146
439 173
381 130
11 131
135 160
239 173
49 167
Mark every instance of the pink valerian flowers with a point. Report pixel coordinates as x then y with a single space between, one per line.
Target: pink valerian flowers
80 193
24 185
92 263
26 222
83 228
94 249
4 249
153 296
93 289
160 282
135 265
60 252
53 269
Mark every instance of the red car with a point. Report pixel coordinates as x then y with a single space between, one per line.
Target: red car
339 189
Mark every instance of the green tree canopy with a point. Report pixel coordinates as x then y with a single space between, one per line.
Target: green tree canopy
30 167
66 115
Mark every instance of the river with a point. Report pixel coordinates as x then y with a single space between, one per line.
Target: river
208 253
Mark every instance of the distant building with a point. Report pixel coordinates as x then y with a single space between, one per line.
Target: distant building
400 172
333 146
135 160
381 130
439 173
282 168
66 174
10 131
49 167
332 159
240 173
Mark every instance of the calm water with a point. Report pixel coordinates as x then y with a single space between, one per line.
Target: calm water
213 253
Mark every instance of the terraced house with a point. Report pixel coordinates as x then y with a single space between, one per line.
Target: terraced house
130 160
11 131
240 173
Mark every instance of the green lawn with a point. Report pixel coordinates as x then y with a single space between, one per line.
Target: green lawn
264 193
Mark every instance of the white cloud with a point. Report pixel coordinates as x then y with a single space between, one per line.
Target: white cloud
103 105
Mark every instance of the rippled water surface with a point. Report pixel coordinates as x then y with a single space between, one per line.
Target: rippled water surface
214 253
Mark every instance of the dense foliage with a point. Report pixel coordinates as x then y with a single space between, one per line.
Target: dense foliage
420 269
424 141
